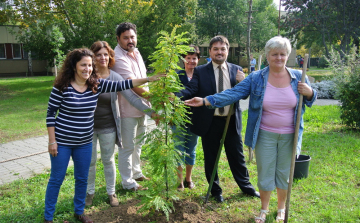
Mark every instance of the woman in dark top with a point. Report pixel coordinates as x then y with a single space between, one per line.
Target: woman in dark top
107 122
189 139
74 97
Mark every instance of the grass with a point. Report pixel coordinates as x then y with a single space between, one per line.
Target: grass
331 193
23 104
319 73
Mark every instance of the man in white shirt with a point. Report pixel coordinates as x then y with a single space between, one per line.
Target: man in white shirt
130 65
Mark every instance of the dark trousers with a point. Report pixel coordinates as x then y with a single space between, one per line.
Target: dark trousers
234 153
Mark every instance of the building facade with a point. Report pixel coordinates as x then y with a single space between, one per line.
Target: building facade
14 61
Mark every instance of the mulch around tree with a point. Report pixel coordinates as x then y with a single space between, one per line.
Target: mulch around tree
185 211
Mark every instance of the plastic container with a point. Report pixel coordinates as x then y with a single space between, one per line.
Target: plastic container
302 164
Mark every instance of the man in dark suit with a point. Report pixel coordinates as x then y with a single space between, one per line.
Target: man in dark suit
209 79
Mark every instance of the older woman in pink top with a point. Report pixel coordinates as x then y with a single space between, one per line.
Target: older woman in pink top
274 97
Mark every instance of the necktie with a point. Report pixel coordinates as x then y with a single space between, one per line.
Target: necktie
221 86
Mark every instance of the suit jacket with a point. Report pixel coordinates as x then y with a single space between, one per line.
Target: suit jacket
201 85
183 77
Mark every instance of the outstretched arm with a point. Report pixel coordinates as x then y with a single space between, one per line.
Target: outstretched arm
141 81
197 102
222 99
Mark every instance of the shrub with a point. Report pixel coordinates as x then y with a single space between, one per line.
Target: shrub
326 89
347 78
323 62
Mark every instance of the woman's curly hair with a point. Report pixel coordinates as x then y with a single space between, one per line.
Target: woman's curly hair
98 45
67 73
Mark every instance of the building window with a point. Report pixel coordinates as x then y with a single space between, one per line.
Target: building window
2 51
16 51
205 52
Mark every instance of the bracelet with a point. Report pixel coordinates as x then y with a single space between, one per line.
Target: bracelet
52 143
203 101
148 80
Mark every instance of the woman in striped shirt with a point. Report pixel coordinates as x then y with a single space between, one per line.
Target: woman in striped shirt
74 97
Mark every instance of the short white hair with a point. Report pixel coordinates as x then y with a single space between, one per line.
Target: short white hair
278 42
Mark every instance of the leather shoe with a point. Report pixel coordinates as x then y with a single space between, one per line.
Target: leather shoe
143 178
219 198
255 194
180 187
189 185
83 218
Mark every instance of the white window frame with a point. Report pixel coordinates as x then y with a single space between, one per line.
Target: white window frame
12 47
3 58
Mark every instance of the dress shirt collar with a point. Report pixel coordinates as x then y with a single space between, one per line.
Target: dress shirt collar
215 65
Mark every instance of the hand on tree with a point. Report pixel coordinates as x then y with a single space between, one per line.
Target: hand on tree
156 118
156 77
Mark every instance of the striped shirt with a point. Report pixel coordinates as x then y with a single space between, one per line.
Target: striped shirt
75 120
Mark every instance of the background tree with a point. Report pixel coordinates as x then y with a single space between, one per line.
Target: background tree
84 22
221 17
228 18
164 15
333 22
264 28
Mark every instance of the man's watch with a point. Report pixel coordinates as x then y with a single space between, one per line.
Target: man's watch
203 101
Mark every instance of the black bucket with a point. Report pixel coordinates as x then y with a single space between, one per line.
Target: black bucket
302 166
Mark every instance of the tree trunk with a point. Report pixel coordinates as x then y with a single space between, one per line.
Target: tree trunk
30 67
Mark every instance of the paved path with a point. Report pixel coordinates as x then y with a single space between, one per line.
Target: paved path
23 158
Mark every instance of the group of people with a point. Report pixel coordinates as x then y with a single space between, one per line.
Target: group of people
85 107
96 97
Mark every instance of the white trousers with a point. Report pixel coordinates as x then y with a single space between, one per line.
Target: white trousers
107 148
129 155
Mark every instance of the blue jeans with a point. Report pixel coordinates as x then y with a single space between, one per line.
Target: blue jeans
81 156
189 146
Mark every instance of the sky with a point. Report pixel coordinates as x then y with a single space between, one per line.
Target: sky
277 4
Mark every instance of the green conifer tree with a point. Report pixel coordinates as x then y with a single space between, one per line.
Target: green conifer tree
160 142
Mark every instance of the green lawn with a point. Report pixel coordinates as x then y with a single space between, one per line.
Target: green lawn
319 73
331 193
23 104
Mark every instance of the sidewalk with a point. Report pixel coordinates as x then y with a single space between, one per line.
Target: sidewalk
23 158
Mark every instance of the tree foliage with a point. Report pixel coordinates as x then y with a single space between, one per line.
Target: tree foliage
83 22
160 144
329 22
221 17
265 26
229 17
164 15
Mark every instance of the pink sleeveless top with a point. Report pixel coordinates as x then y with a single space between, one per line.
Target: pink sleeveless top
278 110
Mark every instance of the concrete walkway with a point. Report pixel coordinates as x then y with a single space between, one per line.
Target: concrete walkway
23 158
